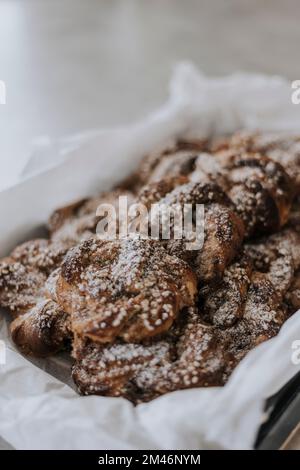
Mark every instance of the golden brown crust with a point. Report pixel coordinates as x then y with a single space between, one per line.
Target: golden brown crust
72 224
155 191
42 331
223 229
278 256
173 165
23 274
280 147
131 289
205 344
194 354
246 307
175 161
189 356
61 215
223 305
260 189
20 286
40 326
223 235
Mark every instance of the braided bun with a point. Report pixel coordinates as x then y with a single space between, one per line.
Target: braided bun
223 229
260 189
130 289
42 331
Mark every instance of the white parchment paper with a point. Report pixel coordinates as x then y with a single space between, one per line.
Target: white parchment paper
39 409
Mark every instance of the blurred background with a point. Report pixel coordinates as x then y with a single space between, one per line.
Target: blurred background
70 65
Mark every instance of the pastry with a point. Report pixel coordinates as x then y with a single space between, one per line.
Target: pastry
41 331
77 222
130 289
24 273
146 317
201 348
223 229
292 297
260 189
40 326
188 356
280 147
176 160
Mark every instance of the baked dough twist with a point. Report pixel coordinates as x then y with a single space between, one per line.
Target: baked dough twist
40 326
204 344
43 330
130 289
223 229
176 160
260 189
280 147
23 274
188 356
78 221
195 355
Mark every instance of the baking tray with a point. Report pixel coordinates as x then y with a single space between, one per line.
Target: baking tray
283 411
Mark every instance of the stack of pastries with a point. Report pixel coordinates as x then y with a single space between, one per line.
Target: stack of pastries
145 317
